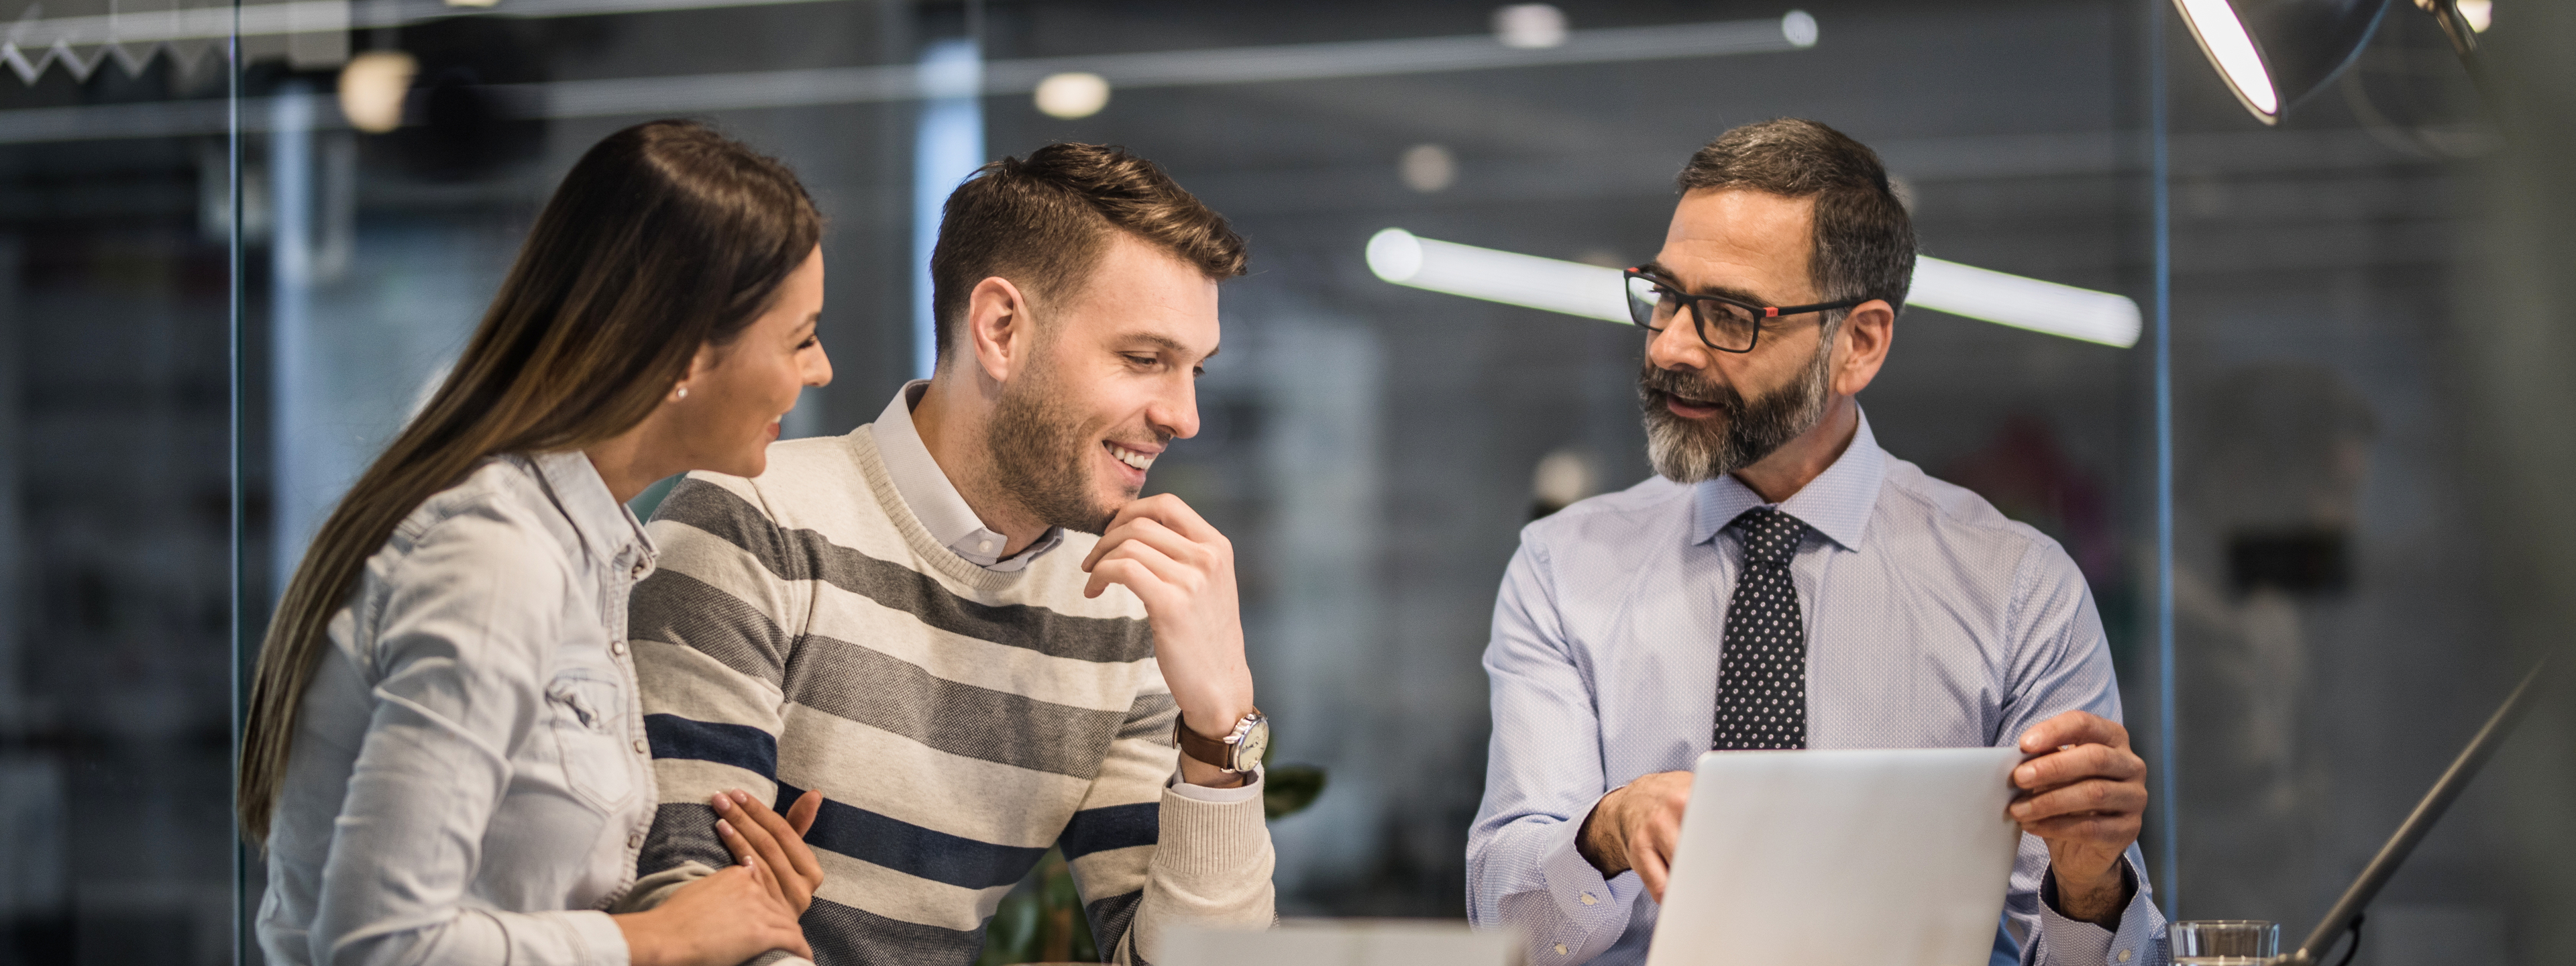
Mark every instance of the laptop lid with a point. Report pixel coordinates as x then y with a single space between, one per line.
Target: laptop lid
1841 858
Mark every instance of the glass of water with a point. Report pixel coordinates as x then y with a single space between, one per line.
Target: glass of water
2224 942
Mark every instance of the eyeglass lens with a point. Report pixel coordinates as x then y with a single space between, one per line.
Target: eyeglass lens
1652 305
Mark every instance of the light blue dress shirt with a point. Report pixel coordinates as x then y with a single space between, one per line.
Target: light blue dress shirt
1932 622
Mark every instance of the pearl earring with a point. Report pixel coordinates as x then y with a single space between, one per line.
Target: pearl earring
681 393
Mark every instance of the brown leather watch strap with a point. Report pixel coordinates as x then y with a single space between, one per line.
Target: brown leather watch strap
1213 751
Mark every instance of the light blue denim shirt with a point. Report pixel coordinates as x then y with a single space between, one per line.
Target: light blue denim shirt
1932 622
470 781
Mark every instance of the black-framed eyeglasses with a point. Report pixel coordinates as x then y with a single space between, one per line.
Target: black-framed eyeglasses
1724 324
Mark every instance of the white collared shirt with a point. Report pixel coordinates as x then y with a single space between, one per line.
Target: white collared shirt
925 489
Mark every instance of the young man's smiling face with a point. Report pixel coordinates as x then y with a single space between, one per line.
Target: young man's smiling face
1112 383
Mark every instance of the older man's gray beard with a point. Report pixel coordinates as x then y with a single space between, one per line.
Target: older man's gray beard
1741 434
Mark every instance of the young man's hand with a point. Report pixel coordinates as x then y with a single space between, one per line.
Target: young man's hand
2084 793
1183 569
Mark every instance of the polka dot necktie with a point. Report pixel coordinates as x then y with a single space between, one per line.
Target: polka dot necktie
1762 674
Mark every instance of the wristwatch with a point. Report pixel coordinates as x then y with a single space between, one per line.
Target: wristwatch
1239 751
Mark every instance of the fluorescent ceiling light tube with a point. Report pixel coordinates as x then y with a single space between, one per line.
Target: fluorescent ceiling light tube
1593 292
2024 303
1573 288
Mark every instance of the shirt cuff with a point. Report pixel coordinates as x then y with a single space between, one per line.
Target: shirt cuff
1591 912
2067 942
1217 796
606 943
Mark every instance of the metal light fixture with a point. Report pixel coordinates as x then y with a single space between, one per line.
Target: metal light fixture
2274 53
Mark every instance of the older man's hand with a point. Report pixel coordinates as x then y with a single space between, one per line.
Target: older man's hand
1637 826
2084 793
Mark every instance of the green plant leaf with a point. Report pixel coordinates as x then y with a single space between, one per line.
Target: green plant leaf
1012 935
1288 789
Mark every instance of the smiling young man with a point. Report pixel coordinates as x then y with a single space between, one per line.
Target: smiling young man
1785 583
960 625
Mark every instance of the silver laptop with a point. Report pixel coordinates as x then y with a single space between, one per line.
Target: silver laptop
1841 858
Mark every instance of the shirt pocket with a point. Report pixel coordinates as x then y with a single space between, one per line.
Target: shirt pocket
589 712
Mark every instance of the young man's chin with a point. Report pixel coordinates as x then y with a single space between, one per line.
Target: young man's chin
1106 509
1104 500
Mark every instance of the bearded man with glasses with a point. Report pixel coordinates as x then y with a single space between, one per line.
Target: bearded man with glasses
1785 583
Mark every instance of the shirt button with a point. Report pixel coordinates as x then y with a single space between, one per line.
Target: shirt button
1560 949
2124 955
634 840
984 545
1589 901
641 748
617 648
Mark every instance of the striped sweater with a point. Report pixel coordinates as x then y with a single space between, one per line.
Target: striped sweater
804 631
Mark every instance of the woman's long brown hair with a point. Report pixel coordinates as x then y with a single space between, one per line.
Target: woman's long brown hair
665 237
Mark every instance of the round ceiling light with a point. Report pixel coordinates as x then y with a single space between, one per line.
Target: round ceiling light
1072 95
373 87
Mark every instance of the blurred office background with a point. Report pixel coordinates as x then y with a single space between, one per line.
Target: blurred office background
2370 403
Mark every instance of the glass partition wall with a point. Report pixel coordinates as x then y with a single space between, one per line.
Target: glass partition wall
116 489
245 242
2345 580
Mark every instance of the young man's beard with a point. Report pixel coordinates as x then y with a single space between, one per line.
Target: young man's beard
1741 433
1042 454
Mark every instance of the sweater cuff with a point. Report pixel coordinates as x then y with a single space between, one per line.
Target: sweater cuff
1248 791
655 889
1211 839
1210 869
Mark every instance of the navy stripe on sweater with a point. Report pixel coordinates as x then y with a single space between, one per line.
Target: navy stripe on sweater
960 861
891 842
1111 827
913 850
741 746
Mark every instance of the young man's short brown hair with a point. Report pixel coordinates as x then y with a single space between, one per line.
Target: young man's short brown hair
1044 220
1864 241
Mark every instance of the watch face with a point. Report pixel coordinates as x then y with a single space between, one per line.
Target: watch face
1255 742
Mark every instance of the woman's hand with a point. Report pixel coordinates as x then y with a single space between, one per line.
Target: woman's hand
720 920
752 830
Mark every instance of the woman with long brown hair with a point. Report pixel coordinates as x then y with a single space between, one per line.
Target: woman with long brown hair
445 756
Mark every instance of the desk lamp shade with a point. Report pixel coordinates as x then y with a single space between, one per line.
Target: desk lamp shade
2272 53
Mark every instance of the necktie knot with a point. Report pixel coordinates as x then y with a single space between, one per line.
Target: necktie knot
1770 537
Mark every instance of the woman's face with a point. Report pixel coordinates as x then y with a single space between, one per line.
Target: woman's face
737 392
